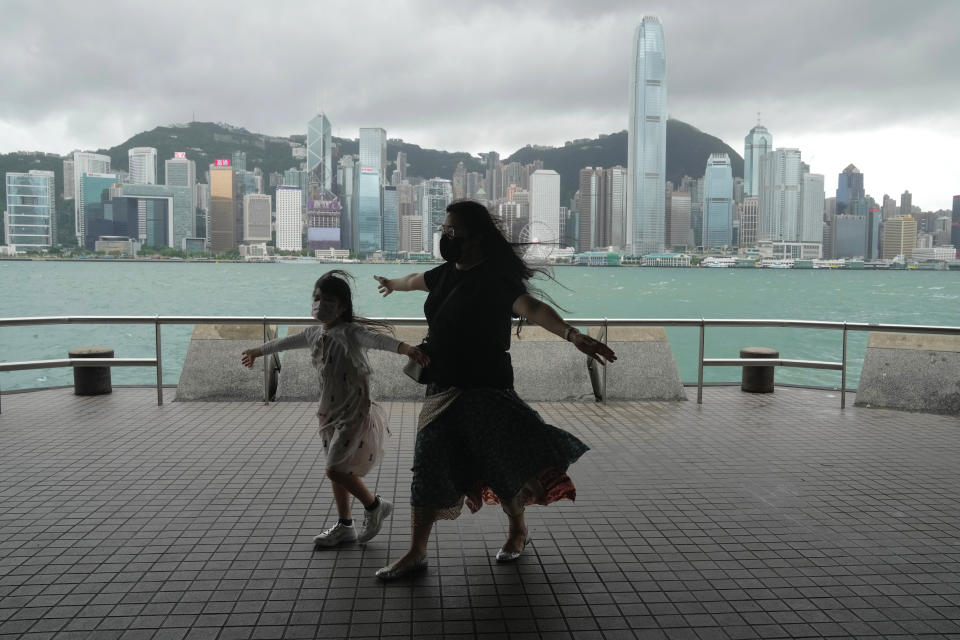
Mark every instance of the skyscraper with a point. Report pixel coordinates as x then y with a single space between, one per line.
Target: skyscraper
459 182
906 204
30 221
391 223
181 172
780 178
899 237
545 209
955 225
239 160
811 208
749 214
849 188
588 208
319 158
494 182
435 195
257 210
718 202
615 203
647 139
68 182
84 162
143 165
755 144
289 219
221 229
373 150
678 220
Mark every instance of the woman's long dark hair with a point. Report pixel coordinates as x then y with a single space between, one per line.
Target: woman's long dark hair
336 283
505 256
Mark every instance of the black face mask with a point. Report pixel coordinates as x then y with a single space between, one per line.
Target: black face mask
451 249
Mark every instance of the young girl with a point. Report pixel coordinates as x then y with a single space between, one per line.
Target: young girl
353 427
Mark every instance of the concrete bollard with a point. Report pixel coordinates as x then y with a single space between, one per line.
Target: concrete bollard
758 379
212 370
645 368
91 381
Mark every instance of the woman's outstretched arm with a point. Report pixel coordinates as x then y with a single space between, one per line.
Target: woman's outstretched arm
543 314
409 282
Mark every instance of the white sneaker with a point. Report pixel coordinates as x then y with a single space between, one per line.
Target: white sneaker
373 520
335 535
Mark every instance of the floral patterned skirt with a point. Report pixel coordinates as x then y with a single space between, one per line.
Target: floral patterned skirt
489 446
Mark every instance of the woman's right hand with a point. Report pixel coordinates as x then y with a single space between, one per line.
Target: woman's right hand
384 285
249 356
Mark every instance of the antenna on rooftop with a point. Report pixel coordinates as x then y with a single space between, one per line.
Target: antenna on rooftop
758 118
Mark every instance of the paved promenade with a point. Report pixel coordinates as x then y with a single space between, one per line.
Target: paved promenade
776 516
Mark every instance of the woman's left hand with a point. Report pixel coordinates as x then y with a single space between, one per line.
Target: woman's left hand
593 348
415 354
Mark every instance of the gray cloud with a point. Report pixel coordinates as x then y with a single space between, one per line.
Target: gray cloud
462 76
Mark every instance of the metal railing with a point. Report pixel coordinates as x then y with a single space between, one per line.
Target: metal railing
604 323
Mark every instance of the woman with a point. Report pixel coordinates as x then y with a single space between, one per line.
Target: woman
477 440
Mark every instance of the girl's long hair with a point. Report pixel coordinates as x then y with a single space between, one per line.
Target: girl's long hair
505 256
336 283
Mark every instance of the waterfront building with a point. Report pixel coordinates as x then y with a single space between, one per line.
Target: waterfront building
544 225
95 200
811 207
757 143
647 140
779 197
222 219
30 219
589 222
85 163
944 254
118 245
165 213
179 171
718 202
855 236
678 220
749 220
257 214
289 219
849 188
666 260
391 224
68 181
411 234
319 151
899 237
615 205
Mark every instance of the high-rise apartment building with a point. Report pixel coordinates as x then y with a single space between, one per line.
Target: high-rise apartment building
319 152
289 219
718 202
780 180
899 237
30 220
222 219
84 162
257 213
849 189
647 139
757 143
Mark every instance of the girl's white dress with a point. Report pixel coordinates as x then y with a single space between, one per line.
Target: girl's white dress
352 426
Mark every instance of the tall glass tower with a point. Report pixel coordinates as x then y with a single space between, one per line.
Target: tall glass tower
647 139
318 149
718 202
758 142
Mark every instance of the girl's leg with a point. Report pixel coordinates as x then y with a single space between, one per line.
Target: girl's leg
345 485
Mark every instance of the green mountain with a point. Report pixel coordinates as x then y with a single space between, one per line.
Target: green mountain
204 142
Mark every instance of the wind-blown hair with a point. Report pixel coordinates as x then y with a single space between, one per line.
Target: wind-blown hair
336 283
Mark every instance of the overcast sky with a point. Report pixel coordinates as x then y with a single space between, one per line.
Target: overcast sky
873 83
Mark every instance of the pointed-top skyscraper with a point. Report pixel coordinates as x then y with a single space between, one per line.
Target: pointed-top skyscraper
318 150
647 139
755 144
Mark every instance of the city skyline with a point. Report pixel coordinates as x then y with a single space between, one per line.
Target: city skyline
878 95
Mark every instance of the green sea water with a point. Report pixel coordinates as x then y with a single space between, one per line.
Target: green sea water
182 288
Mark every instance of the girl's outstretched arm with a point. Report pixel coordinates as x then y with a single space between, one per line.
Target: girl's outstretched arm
409 282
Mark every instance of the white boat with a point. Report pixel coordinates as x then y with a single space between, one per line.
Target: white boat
722 262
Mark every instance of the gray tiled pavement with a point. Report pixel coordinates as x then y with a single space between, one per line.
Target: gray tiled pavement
749 517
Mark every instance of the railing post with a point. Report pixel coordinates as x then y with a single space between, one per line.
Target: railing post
604 398
700 364
159 362
843 370
266 369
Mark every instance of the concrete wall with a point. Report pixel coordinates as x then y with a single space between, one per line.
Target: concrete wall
547 368
645 368
212 369
912 372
